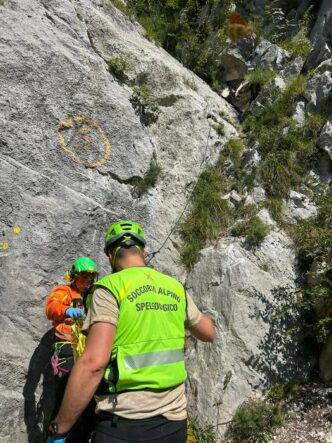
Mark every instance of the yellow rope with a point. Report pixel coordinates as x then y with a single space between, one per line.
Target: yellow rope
78 339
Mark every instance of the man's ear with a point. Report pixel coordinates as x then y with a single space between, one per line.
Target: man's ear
109 255
144 253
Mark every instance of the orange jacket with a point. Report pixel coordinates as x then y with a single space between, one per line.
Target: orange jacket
57 302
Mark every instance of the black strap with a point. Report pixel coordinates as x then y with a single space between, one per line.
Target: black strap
115 419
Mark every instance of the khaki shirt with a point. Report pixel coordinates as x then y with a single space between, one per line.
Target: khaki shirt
171 403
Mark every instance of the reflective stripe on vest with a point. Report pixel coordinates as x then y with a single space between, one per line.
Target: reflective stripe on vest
153 359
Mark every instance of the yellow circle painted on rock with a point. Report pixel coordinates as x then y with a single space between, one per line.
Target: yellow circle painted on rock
17 229
82 136
4 245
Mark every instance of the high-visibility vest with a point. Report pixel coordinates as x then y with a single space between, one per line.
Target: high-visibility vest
148 349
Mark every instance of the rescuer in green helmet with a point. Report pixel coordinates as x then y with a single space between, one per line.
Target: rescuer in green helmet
64 306
135 349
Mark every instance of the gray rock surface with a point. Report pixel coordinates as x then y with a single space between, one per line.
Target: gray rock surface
292 69
269 56
72 147
321 36
299 115
321 28
233 65
299 207
236 289
325 138
318 92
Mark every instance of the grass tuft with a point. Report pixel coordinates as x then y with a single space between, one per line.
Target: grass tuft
298 45
190 82
118 66
255 420
201 433
145 104
121 6
212 216
150 177
253 229
260 77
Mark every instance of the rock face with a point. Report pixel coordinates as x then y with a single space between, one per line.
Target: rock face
235 287
73 147
321 36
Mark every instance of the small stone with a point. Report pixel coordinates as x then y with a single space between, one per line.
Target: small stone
235 197
258 194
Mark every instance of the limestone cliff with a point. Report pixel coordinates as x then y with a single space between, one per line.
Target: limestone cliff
77 138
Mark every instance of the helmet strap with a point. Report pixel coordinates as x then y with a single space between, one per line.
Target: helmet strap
116 250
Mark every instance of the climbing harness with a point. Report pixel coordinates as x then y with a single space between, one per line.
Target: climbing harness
77 345
56 361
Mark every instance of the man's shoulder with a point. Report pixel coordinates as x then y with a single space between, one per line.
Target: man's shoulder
162 276
63 289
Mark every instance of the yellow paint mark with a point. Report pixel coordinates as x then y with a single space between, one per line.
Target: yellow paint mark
84 130
17 229
4 245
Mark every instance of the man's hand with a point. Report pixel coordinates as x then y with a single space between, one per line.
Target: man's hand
204 329
74 313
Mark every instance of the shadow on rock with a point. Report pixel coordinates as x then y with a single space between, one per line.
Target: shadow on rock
281 350
39 390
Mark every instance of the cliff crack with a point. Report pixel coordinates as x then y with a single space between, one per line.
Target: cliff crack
48 177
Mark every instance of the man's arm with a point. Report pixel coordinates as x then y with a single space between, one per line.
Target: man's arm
86 374
204 329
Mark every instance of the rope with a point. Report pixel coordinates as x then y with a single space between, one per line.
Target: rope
78 339
153 254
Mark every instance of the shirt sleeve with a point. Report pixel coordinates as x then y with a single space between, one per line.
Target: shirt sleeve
103 308
193 313
57 303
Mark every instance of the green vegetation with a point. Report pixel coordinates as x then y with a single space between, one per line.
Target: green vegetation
313 124
260 77
254 421
150 177
313 242
219 128
202 434
190 82
145 103
282 392
121 6
234 149
211 215
275 206
195 32
311 302
178 26
117 66
287 150
253 229
298 45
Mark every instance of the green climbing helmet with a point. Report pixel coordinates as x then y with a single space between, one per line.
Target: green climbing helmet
124 233
83 264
